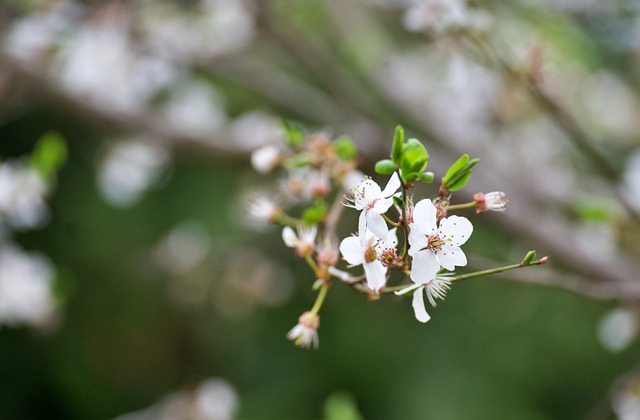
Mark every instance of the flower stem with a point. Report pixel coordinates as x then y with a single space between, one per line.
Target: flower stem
462 206
309 259
391 222
405 225
286 220
320 299
477 273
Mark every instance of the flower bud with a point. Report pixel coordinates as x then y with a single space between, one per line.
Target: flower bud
493 201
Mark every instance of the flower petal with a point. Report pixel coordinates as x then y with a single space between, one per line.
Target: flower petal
289 237
455 230
392 186
376 275
424 216
352 250
417 239
425 266
377 225
418 306
392 238
451 256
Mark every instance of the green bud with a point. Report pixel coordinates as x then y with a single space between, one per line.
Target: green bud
398 143
314 214
49 154
426 177
528 258
414 159
385 167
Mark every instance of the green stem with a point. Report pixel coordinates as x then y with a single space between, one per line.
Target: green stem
286 220
476 274
309 259
391 222
405 225
320 299
462 206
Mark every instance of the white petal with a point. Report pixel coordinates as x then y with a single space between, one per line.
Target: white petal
392 186
424 267
418 306
417 239
352 250
424 215
407 289
451 256
362 224
382 205
392 238
376 275
377 225
455 230
289 237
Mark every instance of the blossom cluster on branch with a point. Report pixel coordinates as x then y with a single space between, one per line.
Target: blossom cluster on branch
421 241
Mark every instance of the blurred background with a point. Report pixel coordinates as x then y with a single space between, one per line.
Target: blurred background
134 285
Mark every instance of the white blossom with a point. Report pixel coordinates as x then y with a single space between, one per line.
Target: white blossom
493 201
305 333
265 159
22 192
433 245
434 285
26 288
366 249
373 201
303 242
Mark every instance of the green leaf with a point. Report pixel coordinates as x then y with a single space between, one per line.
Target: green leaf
398 200
49 154
398 143
314 214
294 136
385 167
426 177
460 178
463 160
528 258
345 148
414 159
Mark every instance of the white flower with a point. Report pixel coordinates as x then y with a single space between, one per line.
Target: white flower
366 250
305 333
435 15
22 193
265 159
26 288
493 201
373 202
303 242
264 209
432 246
434 285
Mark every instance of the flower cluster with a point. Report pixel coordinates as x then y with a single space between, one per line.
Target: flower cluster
422 242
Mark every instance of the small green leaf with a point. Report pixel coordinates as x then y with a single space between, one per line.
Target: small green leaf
426 177
385 167
460 178
528 258
294 136
398 200
314 214
398 143
317 285
345 148
414 159
463 160
49 154
341 406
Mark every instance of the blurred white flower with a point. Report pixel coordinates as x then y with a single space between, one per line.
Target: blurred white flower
184 247
303 242
617 329
631 186
213 399
265 159
22 193
435 15
129 168
26 288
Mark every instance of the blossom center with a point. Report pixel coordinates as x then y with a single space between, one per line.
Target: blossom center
370 254
434 243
